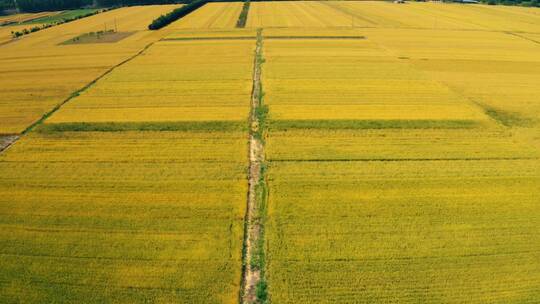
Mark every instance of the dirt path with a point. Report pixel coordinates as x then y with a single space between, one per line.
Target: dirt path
254 221
6 141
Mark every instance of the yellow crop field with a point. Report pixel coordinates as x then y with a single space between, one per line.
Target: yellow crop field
241 33
6 32
397 159
122 217
404 232
211 81
211 16
273 152
23 17
296 14
388 144
314 79
505 80
36 73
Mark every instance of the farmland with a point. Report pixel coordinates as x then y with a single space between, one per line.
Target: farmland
212 82
130 238
211 16
122 217
29 90
327 152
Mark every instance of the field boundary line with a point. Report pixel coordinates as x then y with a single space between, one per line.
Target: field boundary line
253 283
522 37
7 140
348 11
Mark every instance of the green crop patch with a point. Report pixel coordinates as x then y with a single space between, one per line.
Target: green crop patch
143 126
373 124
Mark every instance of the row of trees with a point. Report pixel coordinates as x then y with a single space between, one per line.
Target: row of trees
109 3
51 5
513 2
176 14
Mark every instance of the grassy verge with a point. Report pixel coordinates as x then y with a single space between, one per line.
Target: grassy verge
143 126
258 260
372 124
261 110
509 119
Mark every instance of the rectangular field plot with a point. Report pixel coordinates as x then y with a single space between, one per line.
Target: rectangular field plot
305 33
404 232
434 16
122 217
211 16
473 65
206 34
381 14
296 14
395 144
353 79
206 80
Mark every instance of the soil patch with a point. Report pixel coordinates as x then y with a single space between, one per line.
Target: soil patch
98 37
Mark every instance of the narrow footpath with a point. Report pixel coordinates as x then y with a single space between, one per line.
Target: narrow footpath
253 282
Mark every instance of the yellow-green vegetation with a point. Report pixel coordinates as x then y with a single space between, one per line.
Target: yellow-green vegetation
404 166
37 72
295 14
198 34
122 217
382 14
175 80
496 70
394 156
25 17
57 17
353 79
309 144
211 16
404 232
125 195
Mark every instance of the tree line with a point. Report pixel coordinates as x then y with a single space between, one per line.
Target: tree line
6 5
176 14
534 3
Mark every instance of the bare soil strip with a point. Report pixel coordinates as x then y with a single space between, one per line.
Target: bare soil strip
98 37
253 262
6 141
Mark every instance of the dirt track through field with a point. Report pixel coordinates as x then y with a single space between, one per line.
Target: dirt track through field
253 222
